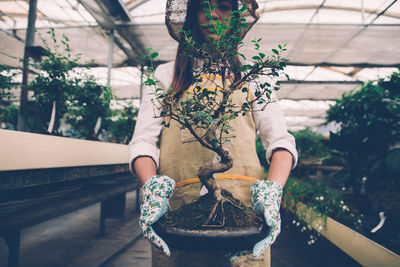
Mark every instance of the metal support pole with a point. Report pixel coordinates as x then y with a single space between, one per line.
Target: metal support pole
13 242
141 83
110 57
113 207
102 231
29 41
138 196
362 12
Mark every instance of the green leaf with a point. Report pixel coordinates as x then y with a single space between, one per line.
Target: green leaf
154 55
275 51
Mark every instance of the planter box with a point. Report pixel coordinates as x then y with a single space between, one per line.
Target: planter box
23 151
362 249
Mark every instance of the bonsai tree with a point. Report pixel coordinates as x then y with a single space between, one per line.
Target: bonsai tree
206 112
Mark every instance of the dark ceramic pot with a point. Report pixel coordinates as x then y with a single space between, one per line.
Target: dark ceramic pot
237 239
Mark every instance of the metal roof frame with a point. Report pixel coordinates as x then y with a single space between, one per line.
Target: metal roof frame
115 21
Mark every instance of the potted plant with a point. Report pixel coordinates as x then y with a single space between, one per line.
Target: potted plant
207 113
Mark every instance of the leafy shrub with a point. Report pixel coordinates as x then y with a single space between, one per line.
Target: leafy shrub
310 145
6 83
369 117
9 116
8 111
261 152
89 102
369 122
121 129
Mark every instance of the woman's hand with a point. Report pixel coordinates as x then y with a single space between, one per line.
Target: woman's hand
155 203
266 199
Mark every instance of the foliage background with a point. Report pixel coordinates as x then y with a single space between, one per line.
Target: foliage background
80 101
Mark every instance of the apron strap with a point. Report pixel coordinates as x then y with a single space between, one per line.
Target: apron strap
219 176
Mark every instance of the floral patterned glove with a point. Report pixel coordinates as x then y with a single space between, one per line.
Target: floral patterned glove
266 198
156 193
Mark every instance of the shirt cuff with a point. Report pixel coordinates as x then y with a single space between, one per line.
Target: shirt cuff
143 149
284 145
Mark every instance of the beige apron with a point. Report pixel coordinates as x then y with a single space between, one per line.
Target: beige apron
181 157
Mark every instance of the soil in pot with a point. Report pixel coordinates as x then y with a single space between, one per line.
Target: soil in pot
232 214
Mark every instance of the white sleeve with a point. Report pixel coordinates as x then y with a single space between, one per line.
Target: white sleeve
271 127
148 124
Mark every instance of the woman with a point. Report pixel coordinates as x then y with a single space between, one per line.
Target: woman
179 158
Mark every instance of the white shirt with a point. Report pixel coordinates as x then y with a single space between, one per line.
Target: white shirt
270 123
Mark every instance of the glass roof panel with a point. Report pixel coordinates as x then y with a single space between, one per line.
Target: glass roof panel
315 30
49 14
295 11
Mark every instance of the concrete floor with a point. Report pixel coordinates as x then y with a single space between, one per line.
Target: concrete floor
73 240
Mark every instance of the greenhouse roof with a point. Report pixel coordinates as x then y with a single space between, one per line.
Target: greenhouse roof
333 45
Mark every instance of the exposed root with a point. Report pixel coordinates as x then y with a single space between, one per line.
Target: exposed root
214 213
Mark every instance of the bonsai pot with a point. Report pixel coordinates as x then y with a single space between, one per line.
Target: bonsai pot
230 239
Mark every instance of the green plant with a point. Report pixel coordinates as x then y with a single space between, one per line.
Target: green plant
6 82
320 202
55 83
369 122
261 152
310 145
8 111
89 105
9 116
208 112
74 95
121 129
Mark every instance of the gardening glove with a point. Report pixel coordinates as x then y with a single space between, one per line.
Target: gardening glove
266 199
156 193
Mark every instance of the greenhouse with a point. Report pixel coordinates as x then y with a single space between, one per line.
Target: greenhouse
81 86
